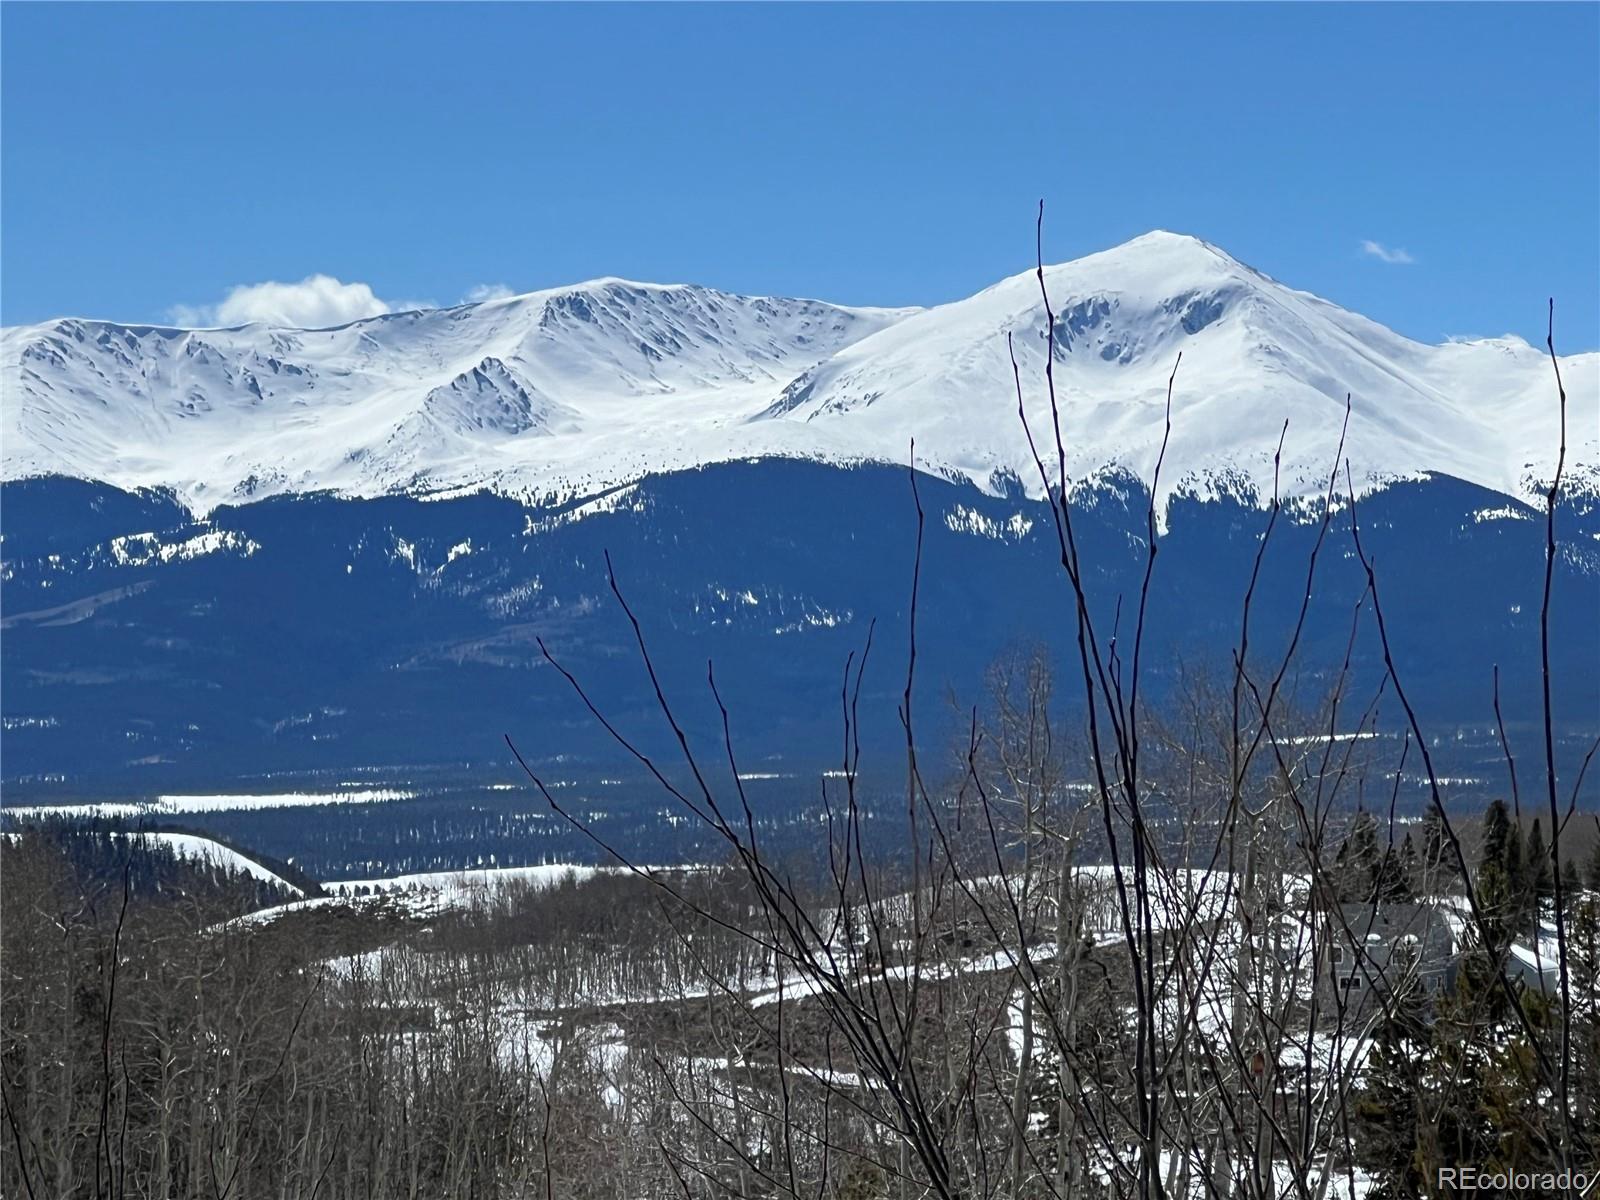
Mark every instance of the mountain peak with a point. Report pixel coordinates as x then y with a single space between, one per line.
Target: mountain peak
1166 256
1166 237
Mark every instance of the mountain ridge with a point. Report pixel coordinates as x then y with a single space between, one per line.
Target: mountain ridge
568 392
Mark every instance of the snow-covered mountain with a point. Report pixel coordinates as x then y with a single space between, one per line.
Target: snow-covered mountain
371 529
569 389
1255 354
567 392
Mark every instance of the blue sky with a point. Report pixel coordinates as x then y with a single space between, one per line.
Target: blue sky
156 157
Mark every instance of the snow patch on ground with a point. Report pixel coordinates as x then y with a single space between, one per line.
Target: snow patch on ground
962 519
142 549
214 854
177 806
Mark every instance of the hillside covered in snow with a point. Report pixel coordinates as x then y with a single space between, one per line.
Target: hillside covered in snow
564 393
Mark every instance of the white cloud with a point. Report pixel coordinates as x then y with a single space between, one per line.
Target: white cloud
316 302
1382 253
487 291
189 316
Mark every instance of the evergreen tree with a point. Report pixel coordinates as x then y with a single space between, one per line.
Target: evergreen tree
1389 881
1516 861
1451 1077
1483 1073
1540 873
1410 867
1387 1108
1522 907
1364 840
1511 1098
1496 833
1359 860
1585 967
1571 889
1496 897
1594 866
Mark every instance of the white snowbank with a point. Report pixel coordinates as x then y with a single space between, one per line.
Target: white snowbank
177 806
